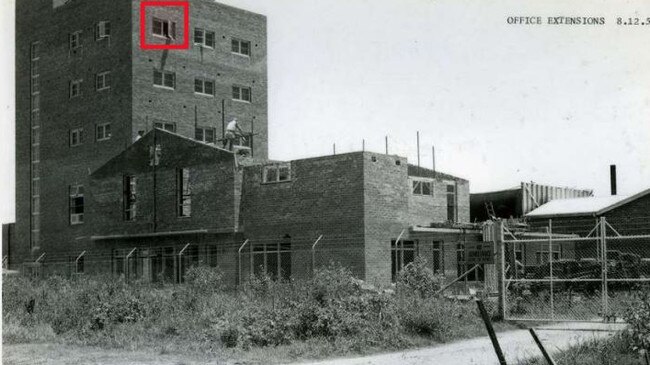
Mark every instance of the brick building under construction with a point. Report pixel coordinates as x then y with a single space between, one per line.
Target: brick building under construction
119 165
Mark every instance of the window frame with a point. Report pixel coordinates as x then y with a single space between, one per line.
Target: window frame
453 207
238 94
203 82
279 250
204 38
102 127
74 194
104 76
417 187
79 133
163 125
163 78
171 28
74 83
276 168
104 25
203 138
74 40
129 198
183 193
236 47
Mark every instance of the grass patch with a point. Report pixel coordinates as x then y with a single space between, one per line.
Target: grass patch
612 351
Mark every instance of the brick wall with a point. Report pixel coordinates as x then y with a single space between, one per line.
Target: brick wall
187 109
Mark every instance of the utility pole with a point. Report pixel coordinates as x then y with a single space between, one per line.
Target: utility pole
418 146
386 144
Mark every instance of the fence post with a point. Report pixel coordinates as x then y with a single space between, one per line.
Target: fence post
76 262
497 237
239 263
180 263
603 250
550 265
126 265
313 254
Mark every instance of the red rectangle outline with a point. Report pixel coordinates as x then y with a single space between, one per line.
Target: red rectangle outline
143 24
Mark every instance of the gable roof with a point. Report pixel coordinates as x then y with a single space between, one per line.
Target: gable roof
589 206
175 151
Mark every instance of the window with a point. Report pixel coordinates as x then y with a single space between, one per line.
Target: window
542 256
76 137
103 80
276 173
164 79
103 132
477 274
402 254
163 28
211 255
204 37
36 136
36 117
36 101
206 135
438 257
203 86
75 40
184 192
75 88
421 187
241 93
103 30
451 203
240 47
76 204
171 127
36 155
34 68
129 198
273 259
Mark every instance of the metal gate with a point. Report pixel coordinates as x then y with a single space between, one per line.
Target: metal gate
548 276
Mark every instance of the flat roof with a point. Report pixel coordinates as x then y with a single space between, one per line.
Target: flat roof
584 206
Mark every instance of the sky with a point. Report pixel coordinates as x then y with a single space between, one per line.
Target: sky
501 103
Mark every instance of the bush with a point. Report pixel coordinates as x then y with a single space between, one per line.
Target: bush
204 279
638 317
418 277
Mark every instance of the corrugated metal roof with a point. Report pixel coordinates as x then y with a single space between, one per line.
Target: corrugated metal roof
583 206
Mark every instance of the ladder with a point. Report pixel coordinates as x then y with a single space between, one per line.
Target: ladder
490 210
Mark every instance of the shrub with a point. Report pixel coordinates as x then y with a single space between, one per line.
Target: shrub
204 279
418 277
638 317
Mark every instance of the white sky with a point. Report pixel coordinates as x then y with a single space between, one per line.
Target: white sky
501 103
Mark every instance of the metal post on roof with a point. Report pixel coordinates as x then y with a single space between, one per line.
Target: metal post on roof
239 262
433 159
386 144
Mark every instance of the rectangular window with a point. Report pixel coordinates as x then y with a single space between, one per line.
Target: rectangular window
75 88
36 205
206 135
36 155
76 137
76 204
36 118
103 30
75 40
273 259
204 87
163 28
240 47
438 257
276 173
164 79
34 68
103 132
184 192
451 203
402 254
211 254
204 38
421 187
171 127
103 80
241 93
129 198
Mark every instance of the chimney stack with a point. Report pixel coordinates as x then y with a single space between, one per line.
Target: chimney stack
612 178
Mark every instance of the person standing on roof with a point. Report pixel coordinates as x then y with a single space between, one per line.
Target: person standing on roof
233 132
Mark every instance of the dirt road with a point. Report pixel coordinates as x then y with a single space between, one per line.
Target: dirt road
516 345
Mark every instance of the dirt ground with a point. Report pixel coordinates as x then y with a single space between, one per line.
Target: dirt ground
517 345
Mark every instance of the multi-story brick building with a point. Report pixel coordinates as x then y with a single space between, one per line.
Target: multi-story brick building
85 90
119 166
